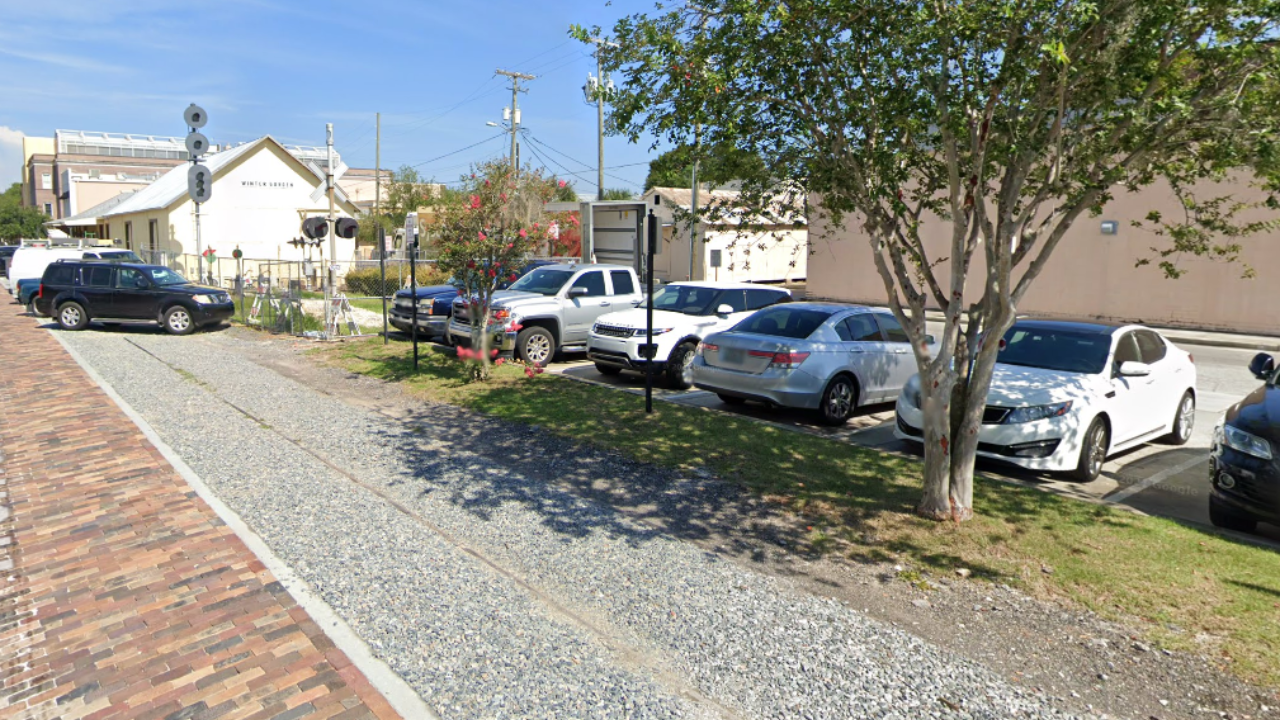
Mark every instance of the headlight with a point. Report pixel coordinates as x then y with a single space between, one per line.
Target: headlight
1246 443
644 332
203 299
1036 412
911 393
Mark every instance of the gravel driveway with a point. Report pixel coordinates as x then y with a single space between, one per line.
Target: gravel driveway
498 595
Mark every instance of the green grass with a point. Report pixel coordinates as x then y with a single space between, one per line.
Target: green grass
1189 588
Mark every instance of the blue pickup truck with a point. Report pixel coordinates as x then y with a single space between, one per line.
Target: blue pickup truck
435 306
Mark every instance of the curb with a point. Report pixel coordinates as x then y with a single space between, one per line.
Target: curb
394 689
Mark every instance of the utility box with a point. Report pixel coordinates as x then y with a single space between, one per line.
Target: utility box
613 232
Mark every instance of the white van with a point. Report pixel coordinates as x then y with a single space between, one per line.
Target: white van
30 262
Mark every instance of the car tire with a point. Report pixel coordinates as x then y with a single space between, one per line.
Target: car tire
31 308
536 346
1183 421
72 316
839 401
1093 451
1228 518
178 321
730 399
607 369
680 366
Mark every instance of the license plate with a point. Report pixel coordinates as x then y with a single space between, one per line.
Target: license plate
733 355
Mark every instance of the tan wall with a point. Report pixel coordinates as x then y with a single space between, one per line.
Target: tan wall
86 194
1090 275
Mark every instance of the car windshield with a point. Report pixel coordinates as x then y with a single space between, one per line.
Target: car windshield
121 256
164 276
784 321
687 299
543 281
1055 349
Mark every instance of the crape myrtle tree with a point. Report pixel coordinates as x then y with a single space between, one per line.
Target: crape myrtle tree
485 231
1008 120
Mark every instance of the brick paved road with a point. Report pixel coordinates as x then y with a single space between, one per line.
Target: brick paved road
122 594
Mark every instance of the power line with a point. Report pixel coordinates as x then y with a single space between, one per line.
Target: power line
589 167
455 152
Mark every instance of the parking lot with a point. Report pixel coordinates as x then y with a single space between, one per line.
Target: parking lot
1154 478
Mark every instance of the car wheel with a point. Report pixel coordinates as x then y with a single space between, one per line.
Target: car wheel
680 366
1184 421
1224 516
178 321
1093 453
607 369
71 316
535 346
839 401
730 399
31 307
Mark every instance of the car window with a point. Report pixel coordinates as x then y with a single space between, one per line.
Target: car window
1127 350
687 299
757 299
784 321
622 283
97 276
892 328
543 281
165 276
593 282
860 328
131 278
1151 346
60 274
736 299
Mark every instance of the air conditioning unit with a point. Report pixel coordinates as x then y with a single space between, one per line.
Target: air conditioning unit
95 174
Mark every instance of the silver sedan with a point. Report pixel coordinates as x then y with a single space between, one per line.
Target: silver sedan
817 356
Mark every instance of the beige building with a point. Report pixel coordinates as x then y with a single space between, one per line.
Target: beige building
1092 272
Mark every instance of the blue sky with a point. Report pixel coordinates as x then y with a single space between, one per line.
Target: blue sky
285 68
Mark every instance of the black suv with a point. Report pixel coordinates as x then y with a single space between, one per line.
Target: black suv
75 292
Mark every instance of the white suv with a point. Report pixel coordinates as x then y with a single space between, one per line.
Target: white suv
683 314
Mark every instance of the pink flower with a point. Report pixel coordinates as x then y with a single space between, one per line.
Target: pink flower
528 371
514 277
475 202
563 183
482 237
499 361
523 233
493 352
511 245
471 265
486 183
493 273
574 219
536 226
503 196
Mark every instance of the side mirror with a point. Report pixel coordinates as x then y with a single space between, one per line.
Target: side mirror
930 340
1131 368
724 309
1263 366
577 292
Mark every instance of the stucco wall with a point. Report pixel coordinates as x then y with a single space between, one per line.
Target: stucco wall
1090 275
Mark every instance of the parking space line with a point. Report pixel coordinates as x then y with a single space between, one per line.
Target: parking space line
1134 489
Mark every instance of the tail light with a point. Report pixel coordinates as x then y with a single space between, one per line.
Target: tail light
707 346
40 292
781 359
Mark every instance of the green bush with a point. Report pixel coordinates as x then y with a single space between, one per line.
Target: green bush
365 282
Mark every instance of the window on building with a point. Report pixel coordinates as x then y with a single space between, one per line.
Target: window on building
46 181
48 209
153 234
128 235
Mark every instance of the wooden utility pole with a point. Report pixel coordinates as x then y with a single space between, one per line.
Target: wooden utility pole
515 109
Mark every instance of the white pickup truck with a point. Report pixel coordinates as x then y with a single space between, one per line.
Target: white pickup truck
551 309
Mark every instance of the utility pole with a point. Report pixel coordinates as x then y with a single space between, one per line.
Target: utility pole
377 217
601 86
333 244
693 227
515 109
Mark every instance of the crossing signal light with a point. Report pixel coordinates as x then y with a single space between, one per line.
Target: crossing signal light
347 228
315 228
199 183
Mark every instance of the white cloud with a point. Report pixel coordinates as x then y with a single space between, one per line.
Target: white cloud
10 157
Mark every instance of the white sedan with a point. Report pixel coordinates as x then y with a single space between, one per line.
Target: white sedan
1067 395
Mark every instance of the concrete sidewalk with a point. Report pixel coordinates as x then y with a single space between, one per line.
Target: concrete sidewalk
123 594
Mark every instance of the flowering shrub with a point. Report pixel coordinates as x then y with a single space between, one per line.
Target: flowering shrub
484 233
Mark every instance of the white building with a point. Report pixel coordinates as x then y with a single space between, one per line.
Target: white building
261 194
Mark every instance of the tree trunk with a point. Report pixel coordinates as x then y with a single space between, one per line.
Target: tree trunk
934 405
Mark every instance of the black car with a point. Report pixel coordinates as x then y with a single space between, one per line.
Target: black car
75 292
1244 465
6 254
435 306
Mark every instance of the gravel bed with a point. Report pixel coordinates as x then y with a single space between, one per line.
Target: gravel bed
496 592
